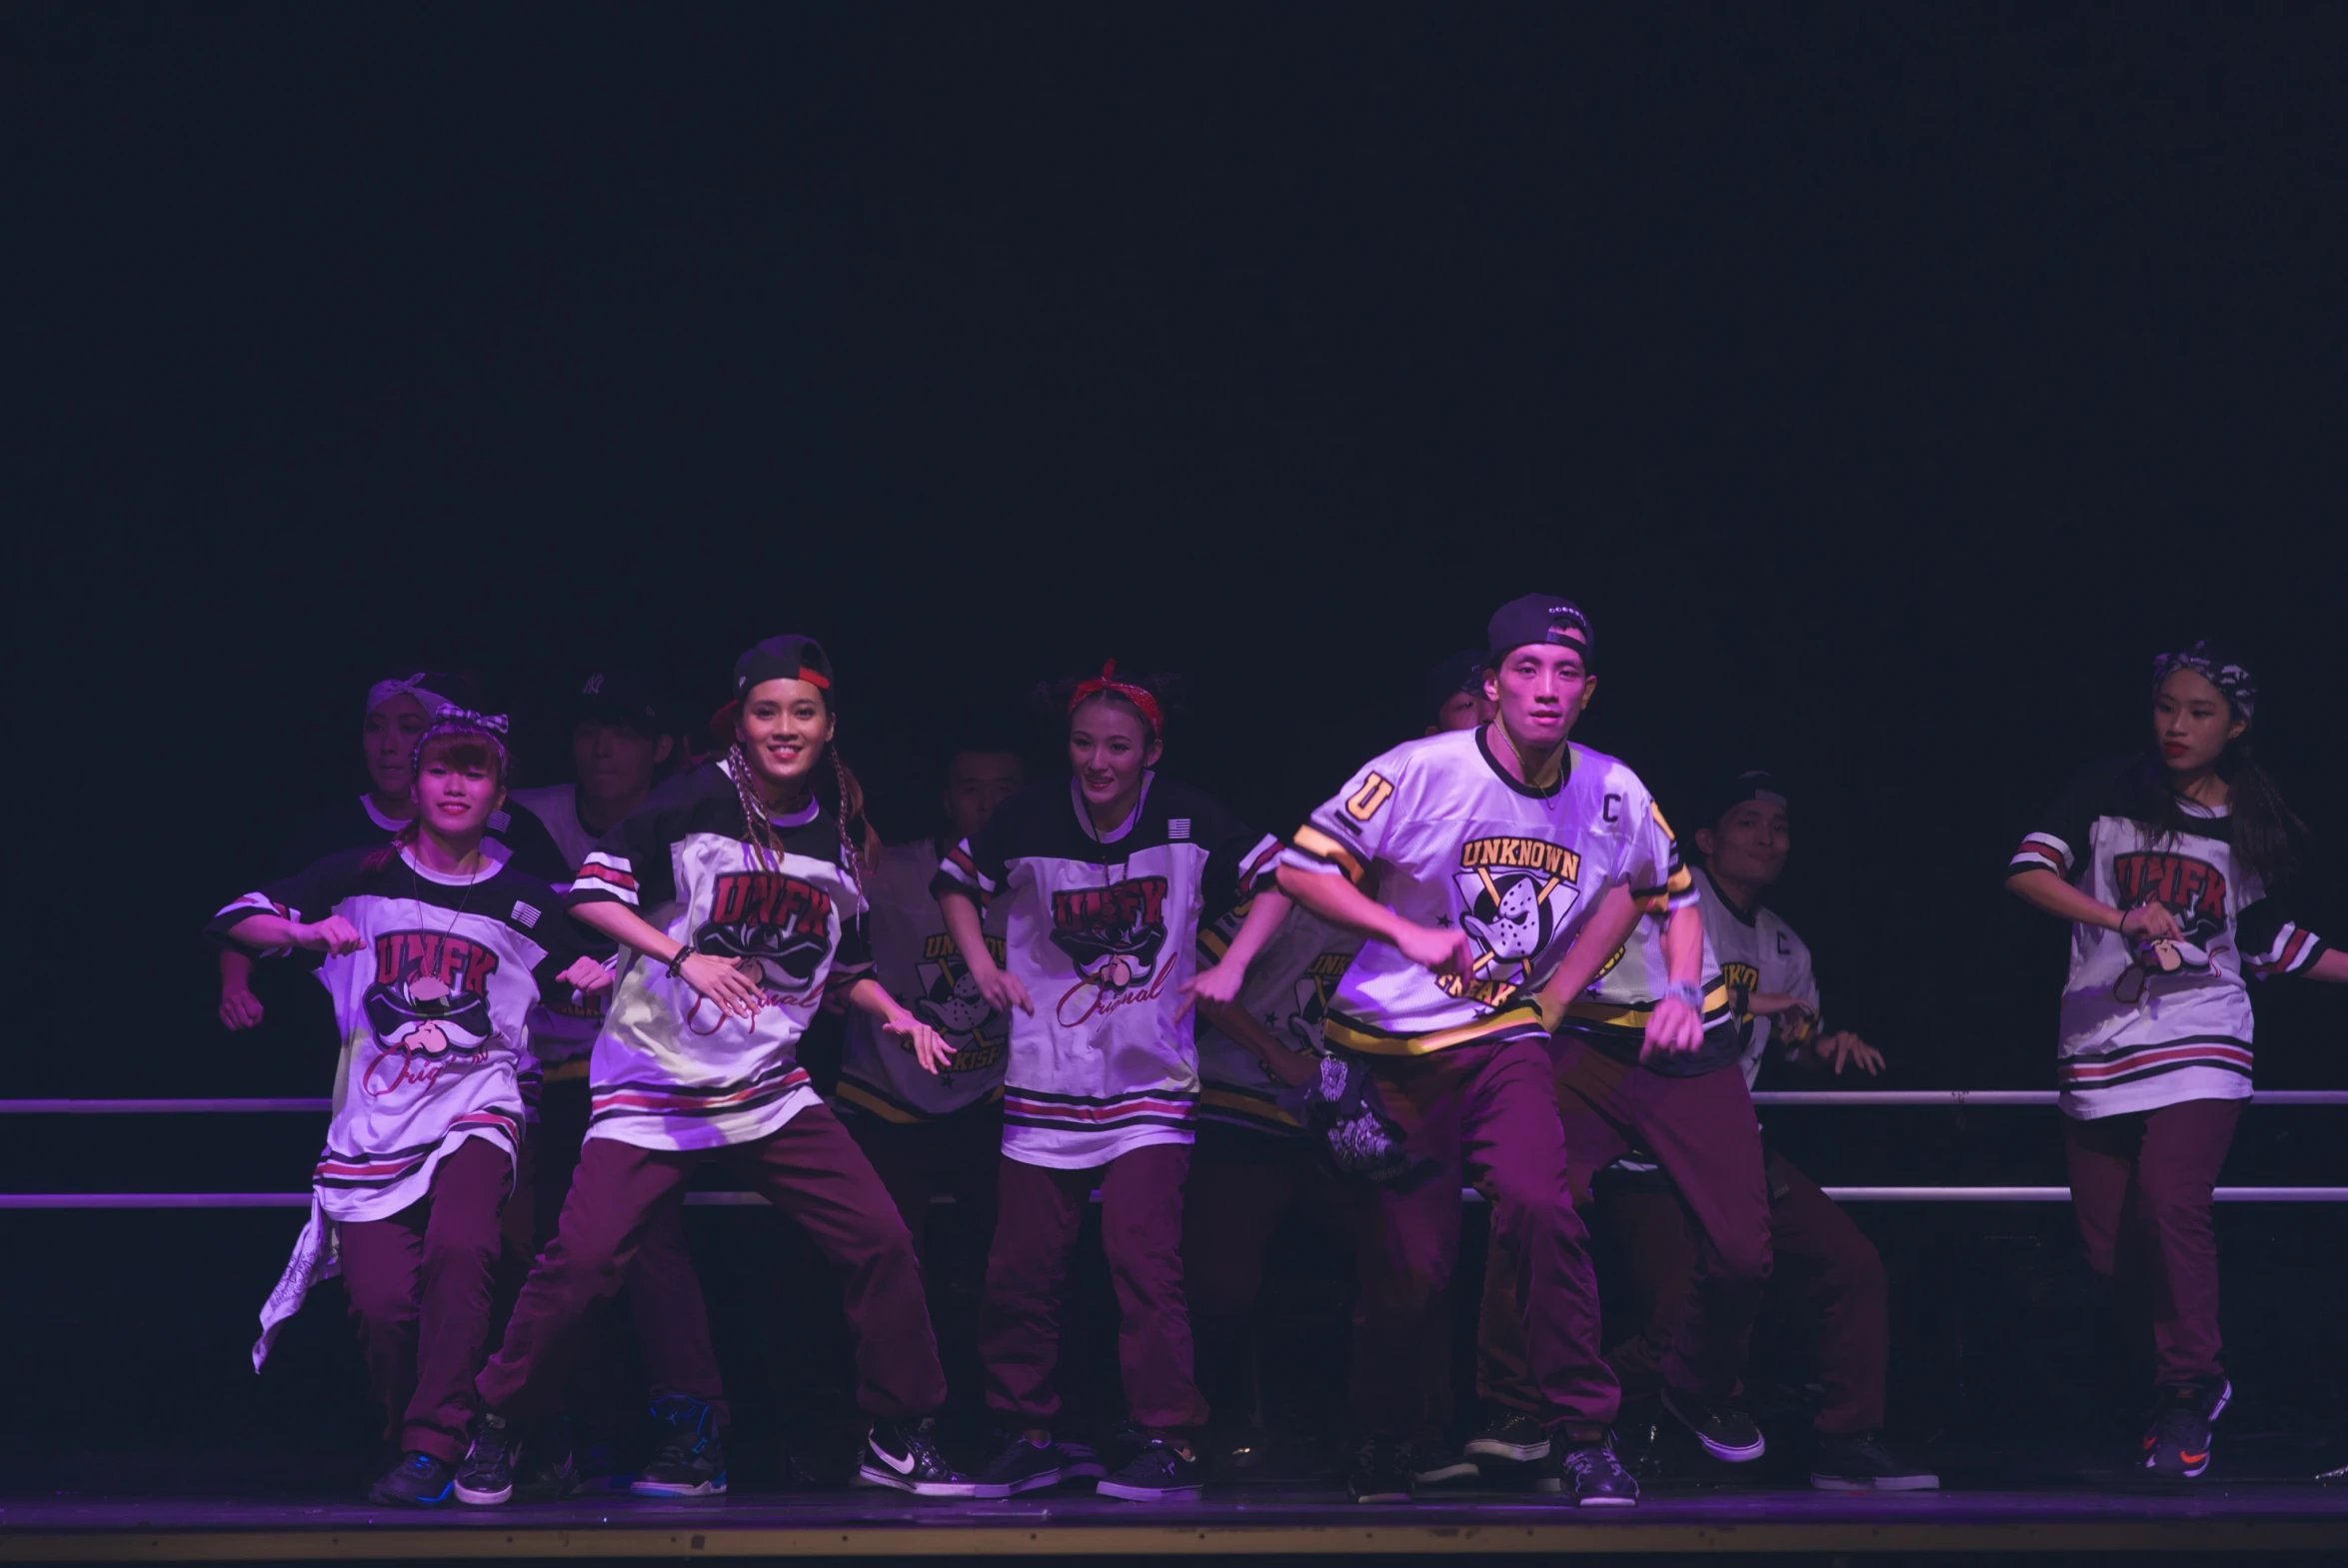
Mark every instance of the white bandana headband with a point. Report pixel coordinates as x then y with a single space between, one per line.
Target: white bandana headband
382 692
2216 669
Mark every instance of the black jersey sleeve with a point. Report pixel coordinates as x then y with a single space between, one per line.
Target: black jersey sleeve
978 866
530 848
632 865
306 897
2060 841
2272 943
1237 857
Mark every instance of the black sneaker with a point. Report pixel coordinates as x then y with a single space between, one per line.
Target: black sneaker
1855 1462
688 1458
1160 1473
1728 1434
903 1455
486 1474
1511 1435
418 1478
1594 1478
1432 1463
1021 1466
2178 1444
547 1470
1380 1472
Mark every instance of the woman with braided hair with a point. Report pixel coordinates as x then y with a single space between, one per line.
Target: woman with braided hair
735 896
1109 875
2169 868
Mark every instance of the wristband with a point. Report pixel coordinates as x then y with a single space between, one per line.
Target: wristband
1686 992
683 951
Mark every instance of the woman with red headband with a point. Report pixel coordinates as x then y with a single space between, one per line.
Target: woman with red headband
1108 874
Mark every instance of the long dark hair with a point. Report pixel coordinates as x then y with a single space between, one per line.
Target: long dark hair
2261 827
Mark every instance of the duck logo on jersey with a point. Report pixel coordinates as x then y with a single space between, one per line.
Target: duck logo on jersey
429 1006
1515 894
951 1003
1301 1028
1113 935
777 924
2191 890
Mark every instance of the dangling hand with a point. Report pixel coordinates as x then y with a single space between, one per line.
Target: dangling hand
588 977
927 1045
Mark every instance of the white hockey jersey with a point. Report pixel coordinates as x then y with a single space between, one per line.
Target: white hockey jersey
1759 952
563 1030
1288 992
1103 931
671 1071
1446 837
915 959
1612 1013
2142 1029
431 1012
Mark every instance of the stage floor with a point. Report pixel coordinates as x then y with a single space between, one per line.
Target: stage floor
1248 1520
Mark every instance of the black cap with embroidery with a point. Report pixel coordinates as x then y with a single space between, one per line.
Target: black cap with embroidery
1538 618
1727 793
619 696
1462 671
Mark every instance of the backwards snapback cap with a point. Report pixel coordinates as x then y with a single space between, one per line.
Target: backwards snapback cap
1727 793
1462 671
785 658
1538 618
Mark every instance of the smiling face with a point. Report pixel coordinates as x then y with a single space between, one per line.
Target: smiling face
783 727
457 787
975 784
388 739
1747 845
1109 745
2192 721
1540 690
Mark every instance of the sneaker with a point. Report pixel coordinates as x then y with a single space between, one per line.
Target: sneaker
547 1471
2178 1443
903 1455
486 1474
1160 1473
1594 1478
1432 1463
418 1478
1021 1466
1511 1435
1380 1472
688 1458
1728 1434
1855 1462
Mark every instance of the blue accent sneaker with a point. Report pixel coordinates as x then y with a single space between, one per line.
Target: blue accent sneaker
418 1479
689 1459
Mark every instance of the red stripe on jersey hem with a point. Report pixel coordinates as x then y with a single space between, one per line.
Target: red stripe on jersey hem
2237 1058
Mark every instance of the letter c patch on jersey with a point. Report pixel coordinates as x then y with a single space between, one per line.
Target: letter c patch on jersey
1363 802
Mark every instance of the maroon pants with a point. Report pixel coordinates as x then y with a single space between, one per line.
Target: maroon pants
421 1287
2141 1189
1704 1132
1042 1210
1489 1112
1842 1282
953 1154
662 1290
812 1170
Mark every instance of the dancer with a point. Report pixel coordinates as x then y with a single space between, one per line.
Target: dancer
1253 1165
737 900
934 1131
1107 876
1492 848
2169 868
435 946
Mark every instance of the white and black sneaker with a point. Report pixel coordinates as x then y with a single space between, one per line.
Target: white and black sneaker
1728 1434
1160 1473
903 1454
485 1477
1511 1435
1855 1462
1432 1463
1381 1471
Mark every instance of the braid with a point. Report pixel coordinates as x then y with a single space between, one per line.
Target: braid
755 825
851 814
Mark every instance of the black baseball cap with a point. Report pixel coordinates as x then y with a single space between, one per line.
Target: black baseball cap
619 696
1733 790
1462 671
785 658
1538 618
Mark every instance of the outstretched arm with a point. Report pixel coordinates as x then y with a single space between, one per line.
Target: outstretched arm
2331 966
928 1046
1001 988
1338 902
1221 983
717 979
2043 890
238 1007
334 935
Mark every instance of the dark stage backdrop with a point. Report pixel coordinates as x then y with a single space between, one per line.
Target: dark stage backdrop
1889 381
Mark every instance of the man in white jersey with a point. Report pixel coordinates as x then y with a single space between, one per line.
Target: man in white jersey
928 1132
1491 848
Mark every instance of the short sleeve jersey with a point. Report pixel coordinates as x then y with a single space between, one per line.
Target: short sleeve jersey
1447 839
915 958
1612 1013
431 1009
1288 992
1103 930
672 1070
2144 1028
562 1029
1758 952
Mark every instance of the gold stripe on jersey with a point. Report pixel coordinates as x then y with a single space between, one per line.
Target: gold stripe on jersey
1609 1015
891 1110
1353 1034
1212 937
1655 901
1261 1108
1321 846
